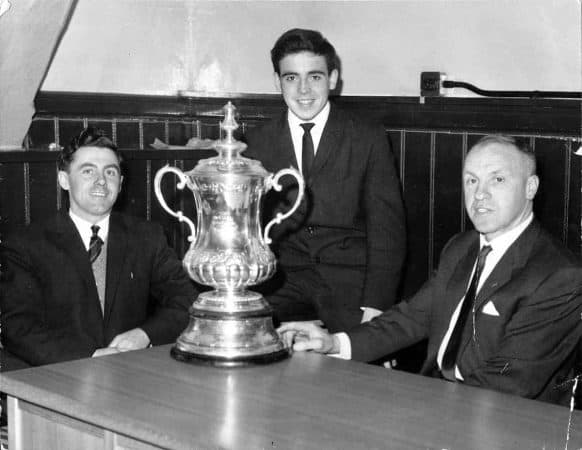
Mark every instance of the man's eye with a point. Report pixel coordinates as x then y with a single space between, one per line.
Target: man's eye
111 173
289 77
499 179
87 171
470 181
316 77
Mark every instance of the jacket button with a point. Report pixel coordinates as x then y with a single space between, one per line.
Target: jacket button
317 260
311 230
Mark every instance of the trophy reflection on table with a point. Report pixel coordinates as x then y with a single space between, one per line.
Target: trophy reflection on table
230 325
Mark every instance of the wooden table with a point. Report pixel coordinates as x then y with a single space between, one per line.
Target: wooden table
145 399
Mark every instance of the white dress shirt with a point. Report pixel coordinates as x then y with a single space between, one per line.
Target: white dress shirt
499 246
84 228
295 122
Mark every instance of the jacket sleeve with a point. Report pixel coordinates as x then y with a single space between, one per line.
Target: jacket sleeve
404 324
543 331
171 290
385 226
24 328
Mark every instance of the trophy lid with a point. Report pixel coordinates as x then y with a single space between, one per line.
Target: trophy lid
229 149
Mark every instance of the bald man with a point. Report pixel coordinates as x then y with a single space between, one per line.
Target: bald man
507 320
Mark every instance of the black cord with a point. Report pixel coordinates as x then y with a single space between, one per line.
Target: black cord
527 94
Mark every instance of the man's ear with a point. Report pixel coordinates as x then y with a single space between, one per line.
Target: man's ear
277 80
333 79
531 187
63 178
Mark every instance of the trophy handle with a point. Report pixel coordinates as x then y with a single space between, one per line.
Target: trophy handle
273 181
158 191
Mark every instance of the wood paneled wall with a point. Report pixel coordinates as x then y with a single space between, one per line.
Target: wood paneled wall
429 139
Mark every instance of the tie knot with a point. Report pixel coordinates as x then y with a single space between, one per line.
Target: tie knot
484 252
95 230
307 126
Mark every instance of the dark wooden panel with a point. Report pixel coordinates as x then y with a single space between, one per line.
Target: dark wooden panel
68 129
417 195
550 201
127 134
575 202
43 189
133 198
180 132
105 125
153 130
449 210
531 116
12 196
210 130
41 133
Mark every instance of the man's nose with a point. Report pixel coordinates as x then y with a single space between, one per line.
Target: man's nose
304 85
481 192
100 179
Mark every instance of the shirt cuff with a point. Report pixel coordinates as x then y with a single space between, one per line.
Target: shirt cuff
345 347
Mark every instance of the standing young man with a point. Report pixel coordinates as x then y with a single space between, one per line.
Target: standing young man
341 254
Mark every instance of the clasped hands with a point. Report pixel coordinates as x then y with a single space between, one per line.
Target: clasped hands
310 335
135 339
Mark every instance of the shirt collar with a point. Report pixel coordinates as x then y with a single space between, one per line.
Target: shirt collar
503 242
84 228
319 120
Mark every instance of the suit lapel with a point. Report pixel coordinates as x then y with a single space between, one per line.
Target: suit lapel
455 290
284 151
116 254
330 140
65 236
514 258
459 282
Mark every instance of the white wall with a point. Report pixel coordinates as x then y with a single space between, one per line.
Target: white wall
162 46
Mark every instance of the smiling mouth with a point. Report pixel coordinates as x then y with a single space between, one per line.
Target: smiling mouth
99 194
481 210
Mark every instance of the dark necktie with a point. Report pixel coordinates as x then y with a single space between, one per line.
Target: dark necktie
307 150
95 244
451 352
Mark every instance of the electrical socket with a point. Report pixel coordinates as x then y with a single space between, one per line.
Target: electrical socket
431 84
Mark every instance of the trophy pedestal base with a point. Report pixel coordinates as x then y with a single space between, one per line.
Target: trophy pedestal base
229 332
218 361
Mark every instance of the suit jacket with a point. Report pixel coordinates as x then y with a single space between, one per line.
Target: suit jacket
352 214
527 349
49 304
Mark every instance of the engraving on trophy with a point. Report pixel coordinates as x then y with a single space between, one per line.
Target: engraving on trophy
229 252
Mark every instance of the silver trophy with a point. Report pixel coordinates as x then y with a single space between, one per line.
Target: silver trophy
229 325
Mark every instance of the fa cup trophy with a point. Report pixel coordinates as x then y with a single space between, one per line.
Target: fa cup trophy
229 325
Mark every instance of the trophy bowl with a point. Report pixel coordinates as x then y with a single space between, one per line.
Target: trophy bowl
229 325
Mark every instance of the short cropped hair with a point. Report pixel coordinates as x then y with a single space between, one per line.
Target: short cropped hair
299 40
519 144
88 137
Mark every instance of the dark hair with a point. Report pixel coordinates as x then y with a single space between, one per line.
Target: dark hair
89 137
519 144
298 40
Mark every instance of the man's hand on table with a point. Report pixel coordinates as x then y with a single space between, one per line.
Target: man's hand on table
303 336
104 351
135 339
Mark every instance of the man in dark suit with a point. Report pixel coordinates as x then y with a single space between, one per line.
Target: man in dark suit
90 282
516 326
341 253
